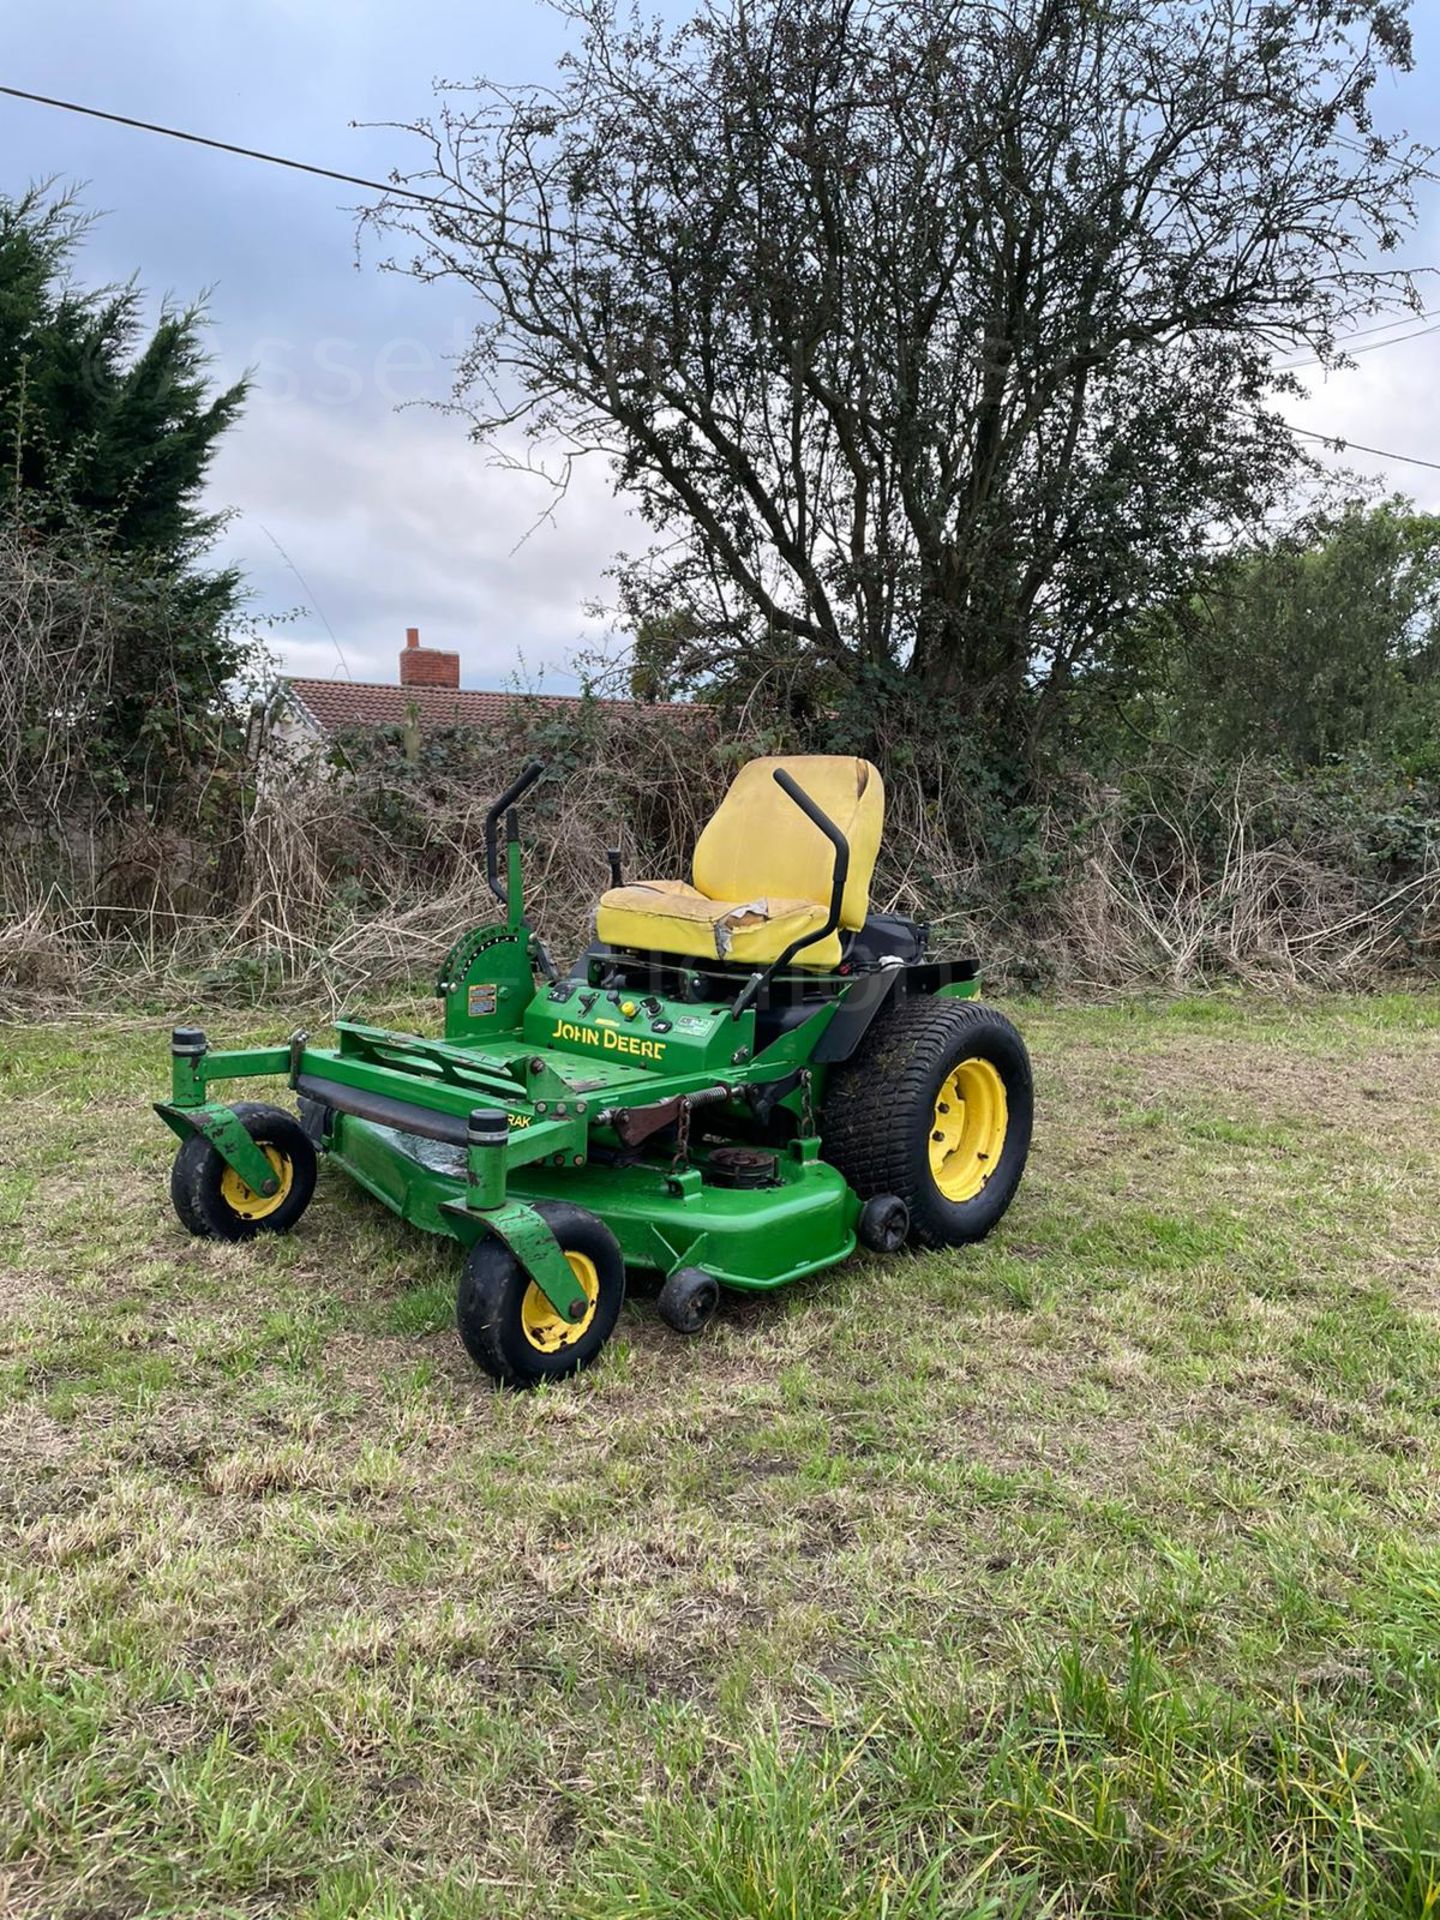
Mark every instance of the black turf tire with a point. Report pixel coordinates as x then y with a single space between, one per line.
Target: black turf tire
492 1289
880 1106
197 1177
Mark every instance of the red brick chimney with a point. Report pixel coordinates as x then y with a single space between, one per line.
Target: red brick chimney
427 666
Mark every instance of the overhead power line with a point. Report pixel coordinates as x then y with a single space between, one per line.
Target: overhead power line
1384 326
1340 444
1376 346
257 153
1364 333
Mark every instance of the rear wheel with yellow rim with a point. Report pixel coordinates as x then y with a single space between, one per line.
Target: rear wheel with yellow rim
937 1108
213 1201
511 1329
968 1126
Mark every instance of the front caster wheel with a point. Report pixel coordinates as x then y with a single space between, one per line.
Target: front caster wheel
507 1325
884 1223
688 1300
213 1202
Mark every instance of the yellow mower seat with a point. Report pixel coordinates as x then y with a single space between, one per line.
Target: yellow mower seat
762 871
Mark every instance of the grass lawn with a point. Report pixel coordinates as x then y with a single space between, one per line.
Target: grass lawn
1093 1571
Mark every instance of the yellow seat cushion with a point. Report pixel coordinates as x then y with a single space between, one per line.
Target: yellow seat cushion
763 872
667 916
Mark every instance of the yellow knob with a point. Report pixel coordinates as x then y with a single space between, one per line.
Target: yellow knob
629 1009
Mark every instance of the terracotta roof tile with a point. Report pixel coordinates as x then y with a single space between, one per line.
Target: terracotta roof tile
331 705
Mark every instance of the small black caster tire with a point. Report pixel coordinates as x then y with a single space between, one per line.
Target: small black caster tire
509 1328
214 1203
688 1300
884 1223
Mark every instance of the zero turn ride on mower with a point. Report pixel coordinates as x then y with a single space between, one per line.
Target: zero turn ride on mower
739 1080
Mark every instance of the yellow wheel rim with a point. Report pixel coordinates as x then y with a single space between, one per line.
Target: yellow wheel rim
256 1206
545 1329
967 1134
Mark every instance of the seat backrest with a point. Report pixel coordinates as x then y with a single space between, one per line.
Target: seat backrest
758 844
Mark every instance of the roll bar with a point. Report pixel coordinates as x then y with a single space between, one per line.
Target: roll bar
817 817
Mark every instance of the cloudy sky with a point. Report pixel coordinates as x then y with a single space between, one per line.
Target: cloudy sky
356 511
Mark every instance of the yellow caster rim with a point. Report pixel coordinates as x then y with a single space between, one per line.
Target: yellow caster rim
245 1201
967 1132
549 1331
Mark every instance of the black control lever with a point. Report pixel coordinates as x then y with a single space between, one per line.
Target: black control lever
531 773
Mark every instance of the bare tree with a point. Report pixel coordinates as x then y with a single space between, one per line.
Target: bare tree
934 337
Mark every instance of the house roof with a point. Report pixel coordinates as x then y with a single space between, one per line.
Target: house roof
331 705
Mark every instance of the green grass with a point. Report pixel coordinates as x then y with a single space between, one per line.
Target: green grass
1090 1572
